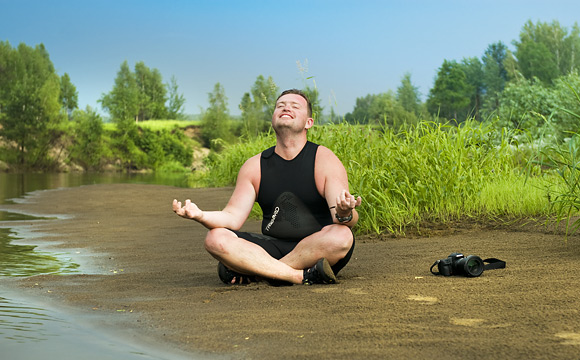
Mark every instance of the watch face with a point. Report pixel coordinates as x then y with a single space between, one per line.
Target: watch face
344 219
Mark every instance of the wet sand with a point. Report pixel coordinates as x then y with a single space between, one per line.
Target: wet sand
150 278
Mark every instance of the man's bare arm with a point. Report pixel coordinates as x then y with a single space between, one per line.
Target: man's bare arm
239 206
332 174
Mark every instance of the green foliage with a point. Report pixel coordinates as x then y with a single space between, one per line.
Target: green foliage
160 124
152 93
383 109
547 51
173 167
564 195
257 107
473 70
29 103
544 53
142 95
224 166
542 110
164 146
522 101
216 122
566 89
314 98
564 159
124 146
69 96
176 101
495 75
408 95
430 172
122 103
88 148
449 98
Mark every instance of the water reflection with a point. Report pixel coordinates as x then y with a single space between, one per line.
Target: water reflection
23 260
31 332
10 216
23 323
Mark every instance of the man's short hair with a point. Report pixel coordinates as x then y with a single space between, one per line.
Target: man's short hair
298 92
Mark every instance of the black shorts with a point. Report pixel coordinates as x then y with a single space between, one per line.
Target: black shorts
278 248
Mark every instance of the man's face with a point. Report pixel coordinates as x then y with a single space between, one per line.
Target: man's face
291 112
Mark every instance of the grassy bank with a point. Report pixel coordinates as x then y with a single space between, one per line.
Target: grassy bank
428 173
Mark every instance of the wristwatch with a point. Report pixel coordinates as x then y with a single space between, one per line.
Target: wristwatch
344 219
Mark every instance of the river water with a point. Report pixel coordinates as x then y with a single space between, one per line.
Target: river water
30 329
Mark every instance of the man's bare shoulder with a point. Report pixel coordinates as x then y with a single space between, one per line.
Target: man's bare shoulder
252 163
324 155
250 171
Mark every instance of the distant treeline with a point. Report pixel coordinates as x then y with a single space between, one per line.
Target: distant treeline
515 89
534 88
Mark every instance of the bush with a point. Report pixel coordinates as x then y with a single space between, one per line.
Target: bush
88 149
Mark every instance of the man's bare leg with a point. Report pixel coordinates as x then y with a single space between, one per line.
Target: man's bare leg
246 257
333 242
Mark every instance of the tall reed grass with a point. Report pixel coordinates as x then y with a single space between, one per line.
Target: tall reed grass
429 172
563 190
564 161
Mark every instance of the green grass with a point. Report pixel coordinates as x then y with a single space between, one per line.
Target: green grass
167 124
427 173
564 186
527 197
157 124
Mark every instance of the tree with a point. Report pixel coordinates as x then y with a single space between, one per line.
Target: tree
408 95
176 101
473 70
122 103
88 149
567 114
30 107
382 109
69 95
139 95
313 97
495 74
152 93
215 123
547 51
8 74
361 112
450 94
258 105
521 102
535 60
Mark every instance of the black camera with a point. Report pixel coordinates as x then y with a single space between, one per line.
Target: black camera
457 264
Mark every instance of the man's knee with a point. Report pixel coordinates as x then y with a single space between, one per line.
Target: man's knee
216 240
341 238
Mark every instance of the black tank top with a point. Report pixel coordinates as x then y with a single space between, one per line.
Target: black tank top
290 202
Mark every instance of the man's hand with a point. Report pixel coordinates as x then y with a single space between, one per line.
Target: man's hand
345 203
188 211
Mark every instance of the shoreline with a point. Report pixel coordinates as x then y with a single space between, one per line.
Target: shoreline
385 305
40 327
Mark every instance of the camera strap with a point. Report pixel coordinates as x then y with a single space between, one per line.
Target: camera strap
432 266
493 263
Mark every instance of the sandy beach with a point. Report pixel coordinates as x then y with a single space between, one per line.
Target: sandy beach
148 275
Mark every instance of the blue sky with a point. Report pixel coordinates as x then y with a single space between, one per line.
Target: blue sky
349 48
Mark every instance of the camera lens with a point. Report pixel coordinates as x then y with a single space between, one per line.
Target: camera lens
472 265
